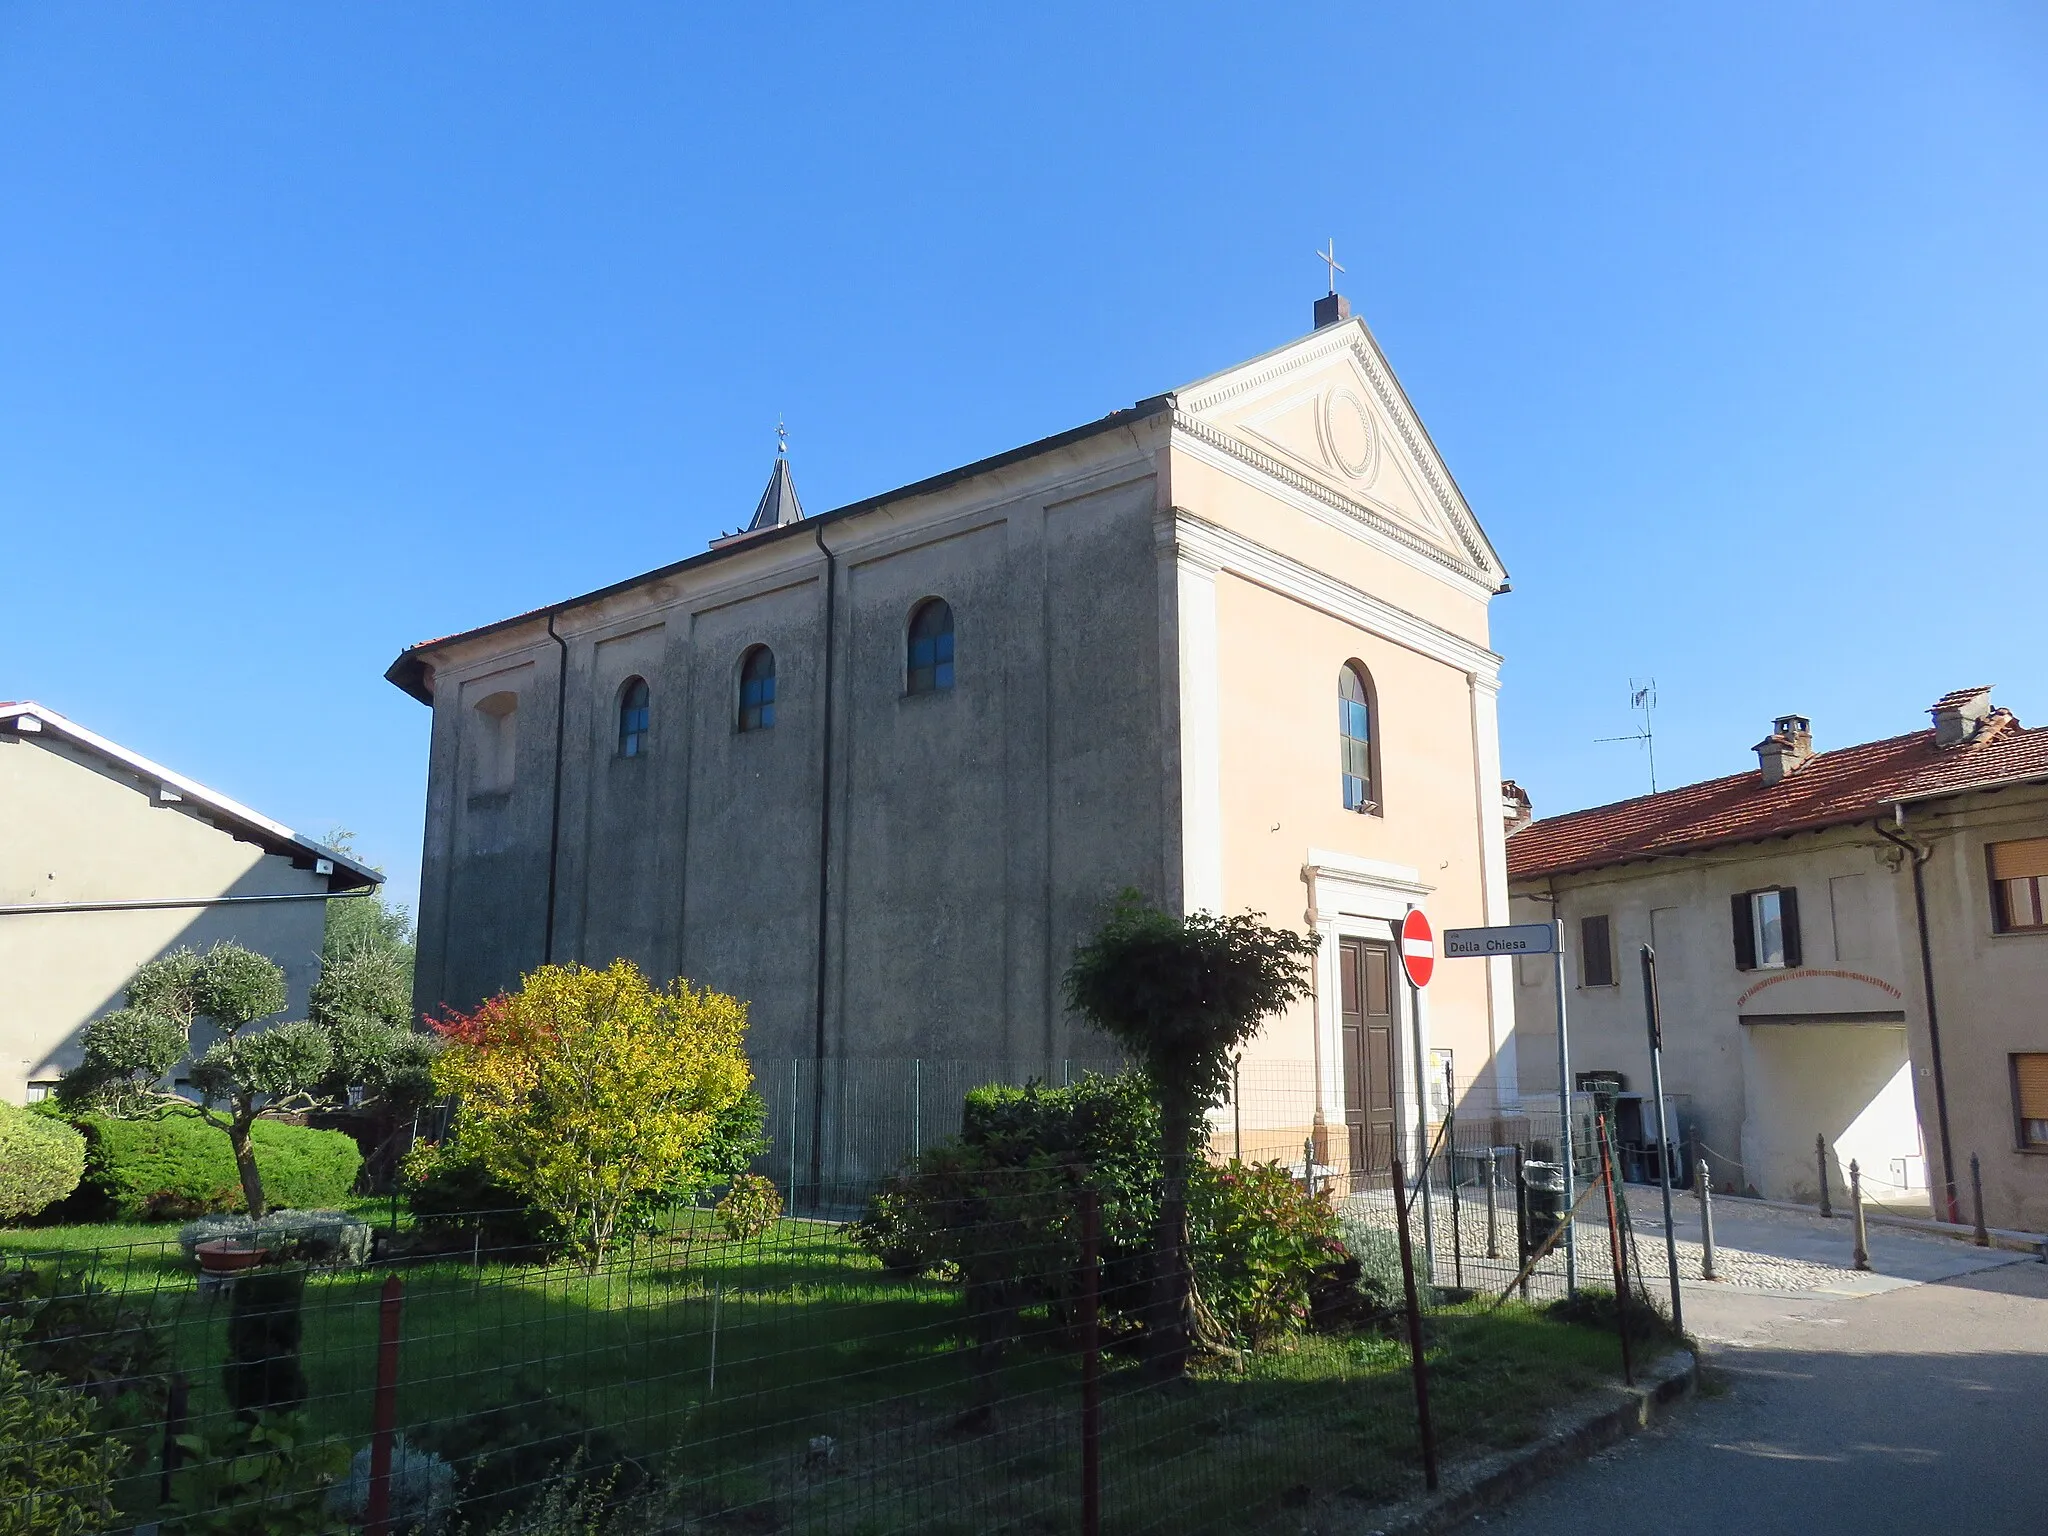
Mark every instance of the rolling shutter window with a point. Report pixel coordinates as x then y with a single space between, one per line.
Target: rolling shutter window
2017 861
1596 952
1788 909
2019 884
2030 1097
1745 931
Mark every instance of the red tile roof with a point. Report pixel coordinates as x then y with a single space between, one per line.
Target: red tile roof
1830 789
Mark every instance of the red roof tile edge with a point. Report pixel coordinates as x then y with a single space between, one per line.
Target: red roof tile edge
1830 789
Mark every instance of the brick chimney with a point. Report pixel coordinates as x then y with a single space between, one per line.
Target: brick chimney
1515 808
1789 745
1958 715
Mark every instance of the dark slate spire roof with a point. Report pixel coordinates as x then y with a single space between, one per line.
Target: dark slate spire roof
778 503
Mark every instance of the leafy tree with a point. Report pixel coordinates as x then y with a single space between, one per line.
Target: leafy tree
589 1091
365 921
245 1073
1181 994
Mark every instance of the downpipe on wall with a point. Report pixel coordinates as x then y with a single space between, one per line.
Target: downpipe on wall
1919 853
824 870
547 945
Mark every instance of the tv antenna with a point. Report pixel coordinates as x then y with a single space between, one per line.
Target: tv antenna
1642 699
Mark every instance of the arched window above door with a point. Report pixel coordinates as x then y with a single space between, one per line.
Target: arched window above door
1356 738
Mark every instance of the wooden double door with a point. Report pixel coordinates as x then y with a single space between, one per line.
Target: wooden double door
1365 971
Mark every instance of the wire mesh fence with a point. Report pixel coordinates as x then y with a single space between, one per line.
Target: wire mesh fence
975 1355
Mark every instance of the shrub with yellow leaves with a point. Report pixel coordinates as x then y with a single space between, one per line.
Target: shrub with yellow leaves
589 1090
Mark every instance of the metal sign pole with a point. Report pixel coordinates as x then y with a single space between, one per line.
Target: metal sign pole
1564 1120
1655 1013
1422 1132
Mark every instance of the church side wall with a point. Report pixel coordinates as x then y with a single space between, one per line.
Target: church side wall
982 829
483 868
976 833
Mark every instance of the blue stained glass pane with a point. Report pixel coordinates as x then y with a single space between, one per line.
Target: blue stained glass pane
945 645
943 674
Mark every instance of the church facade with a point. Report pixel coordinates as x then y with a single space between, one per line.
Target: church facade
877 771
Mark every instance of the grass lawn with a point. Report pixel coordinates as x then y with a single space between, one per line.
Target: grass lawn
724 1362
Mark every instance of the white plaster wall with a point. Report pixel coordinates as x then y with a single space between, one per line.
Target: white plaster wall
1846 1083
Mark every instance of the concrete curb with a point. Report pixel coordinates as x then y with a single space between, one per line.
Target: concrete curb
1616 1413
2035 1243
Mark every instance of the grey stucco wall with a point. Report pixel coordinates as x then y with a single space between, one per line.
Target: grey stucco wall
1853 968
975 833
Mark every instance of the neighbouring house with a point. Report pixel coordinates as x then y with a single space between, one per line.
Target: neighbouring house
1850 945
879 770
108 860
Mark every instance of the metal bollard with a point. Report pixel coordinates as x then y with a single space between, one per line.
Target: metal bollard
1706 1223
1977 1197
1492 1221
1820 1153
1862 1251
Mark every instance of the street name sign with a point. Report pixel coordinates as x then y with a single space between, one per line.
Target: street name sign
1513 939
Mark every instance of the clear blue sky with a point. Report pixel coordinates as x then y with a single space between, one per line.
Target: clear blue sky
324 330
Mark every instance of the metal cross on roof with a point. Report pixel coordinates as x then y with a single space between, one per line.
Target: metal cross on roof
1330 256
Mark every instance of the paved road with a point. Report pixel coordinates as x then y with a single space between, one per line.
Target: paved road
1920 1407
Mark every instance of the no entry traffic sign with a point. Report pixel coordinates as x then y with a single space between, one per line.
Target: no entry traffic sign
1418 947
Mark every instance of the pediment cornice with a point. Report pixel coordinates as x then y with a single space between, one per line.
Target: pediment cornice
1197 407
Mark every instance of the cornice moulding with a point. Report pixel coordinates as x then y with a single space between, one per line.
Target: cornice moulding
1221 549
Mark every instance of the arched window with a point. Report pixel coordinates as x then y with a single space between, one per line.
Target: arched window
633 716
757 689
930 667
1354 734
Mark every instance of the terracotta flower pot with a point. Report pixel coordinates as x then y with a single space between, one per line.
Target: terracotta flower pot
228 1256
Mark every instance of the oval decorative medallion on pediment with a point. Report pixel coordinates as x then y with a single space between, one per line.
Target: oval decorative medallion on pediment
1350 440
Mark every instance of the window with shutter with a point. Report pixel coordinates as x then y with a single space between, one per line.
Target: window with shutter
1766 925
1596 952
2030 1097
2019 885
1745 931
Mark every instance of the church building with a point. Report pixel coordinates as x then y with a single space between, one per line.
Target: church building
878 770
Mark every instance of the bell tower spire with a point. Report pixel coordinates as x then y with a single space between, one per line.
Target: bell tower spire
778 503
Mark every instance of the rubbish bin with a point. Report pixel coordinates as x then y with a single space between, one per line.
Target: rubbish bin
1542 1205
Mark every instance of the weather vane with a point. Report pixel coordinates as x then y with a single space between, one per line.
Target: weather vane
781 438
1330 258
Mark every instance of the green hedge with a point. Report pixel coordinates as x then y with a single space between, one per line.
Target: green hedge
40 1161
180 1167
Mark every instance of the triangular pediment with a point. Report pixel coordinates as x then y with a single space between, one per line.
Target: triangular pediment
1327 415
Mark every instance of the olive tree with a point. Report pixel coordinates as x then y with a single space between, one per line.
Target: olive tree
1181 994
245 1073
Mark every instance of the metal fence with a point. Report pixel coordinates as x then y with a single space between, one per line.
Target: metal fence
802 1377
